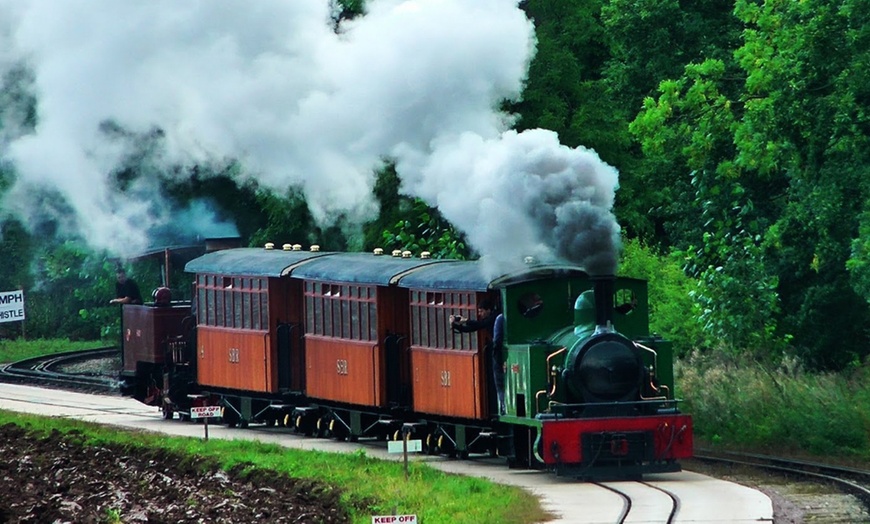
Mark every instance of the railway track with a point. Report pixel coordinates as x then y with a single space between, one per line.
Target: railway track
850 480
67 370
644 502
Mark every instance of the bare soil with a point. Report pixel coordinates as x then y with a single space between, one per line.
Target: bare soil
55 479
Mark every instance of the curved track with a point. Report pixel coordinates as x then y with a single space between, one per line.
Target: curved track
644 502
51 371
850 480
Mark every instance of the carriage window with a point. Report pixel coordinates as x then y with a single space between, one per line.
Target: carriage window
530 305
233 302
430 325
340 310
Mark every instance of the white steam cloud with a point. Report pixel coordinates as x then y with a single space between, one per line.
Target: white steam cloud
273 84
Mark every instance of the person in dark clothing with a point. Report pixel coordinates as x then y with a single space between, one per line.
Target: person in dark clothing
493 323
126 290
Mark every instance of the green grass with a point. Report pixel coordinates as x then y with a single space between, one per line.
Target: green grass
741 404
20 349
369 486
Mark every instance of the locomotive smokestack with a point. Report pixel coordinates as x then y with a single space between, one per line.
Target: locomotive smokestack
603 286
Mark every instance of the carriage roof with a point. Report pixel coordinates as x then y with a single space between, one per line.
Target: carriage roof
249 261
365 268
472 275
360 268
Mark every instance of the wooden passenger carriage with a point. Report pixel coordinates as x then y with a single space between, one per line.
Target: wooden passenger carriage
348 329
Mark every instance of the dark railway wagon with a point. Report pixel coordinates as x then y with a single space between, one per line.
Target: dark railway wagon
148 333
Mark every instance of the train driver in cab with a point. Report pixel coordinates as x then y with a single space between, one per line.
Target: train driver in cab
126 290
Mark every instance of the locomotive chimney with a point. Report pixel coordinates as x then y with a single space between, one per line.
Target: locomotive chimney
603 286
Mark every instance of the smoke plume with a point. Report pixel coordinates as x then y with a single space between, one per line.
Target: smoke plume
297 100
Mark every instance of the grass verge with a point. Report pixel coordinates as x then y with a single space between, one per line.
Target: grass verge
369 486
20 349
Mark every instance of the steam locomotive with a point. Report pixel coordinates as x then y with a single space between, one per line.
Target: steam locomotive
359 345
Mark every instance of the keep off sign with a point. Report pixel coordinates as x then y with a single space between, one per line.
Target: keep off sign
205 411
11 306
392 519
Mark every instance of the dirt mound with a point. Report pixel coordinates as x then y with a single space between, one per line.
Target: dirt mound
55 479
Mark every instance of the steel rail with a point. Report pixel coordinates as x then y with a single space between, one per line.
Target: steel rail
850 480
44 371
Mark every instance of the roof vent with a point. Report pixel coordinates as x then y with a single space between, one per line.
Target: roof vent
425 254
297 247
269 245
397 252
530 260
287 247
406 254
315 247
378 251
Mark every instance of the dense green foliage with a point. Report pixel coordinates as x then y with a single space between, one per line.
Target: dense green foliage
368 486
740 130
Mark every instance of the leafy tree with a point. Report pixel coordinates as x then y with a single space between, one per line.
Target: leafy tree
288 219
390 206
693 122
17 247
650 41
426 230
71 294
673 313
778 160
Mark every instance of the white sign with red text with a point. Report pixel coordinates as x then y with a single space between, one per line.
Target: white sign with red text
394 519
205 411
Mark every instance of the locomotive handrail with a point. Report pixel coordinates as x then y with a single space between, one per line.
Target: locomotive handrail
550 375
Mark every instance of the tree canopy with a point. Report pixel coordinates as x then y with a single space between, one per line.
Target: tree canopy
740 130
